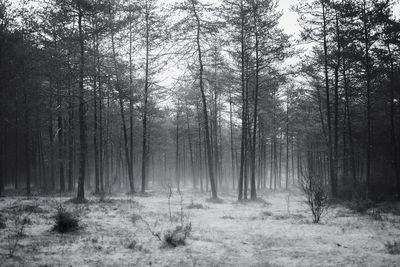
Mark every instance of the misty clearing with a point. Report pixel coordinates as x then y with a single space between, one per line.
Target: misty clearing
199 133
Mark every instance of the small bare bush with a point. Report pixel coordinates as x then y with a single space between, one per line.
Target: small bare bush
20 218
17 232
175 235
317 196
65 221
315 190
393 247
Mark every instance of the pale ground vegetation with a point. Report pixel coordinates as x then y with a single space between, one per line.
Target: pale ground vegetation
277 230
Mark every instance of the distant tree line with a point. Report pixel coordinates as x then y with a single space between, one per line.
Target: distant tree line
83 106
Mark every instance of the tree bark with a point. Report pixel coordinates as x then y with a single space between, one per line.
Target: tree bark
145 102
368 78
122 112
253 193
328 104
82 115
204 101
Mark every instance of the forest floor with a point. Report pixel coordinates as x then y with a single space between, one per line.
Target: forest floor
274 231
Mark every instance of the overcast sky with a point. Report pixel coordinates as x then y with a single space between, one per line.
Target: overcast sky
289 18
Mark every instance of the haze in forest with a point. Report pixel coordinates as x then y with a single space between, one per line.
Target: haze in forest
200 132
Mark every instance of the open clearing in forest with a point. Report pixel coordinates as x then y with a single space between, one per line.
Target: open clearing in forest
261 233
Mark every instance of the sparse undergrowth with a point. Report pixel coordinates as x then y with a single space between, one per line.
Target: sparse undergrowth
20 218
393 247
17 232
2 221
197 206
215 200
103 198
360 205
218 232
266 213
27 208
77 201
135 218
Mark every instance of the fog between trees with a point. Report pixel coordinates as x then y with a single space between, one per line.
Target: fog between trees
84 107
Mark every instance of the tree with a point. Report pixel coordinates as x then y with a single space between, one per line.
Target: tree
192 23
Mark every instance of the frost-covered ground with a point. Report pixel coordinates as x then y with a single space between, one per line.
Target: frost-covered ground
265 233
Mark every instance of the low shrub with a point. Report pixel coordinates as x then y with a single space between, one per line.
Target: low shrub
132 244
316 196
65 221
103 198
393 247
215 200
266 213
227 217
21 208
376 214
2 221
197 206
135 218
360 205
177 236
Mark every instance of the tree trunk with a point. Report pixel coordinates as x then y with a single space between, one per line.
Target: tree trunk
287 141
349 127
82 119
122 111
145 96
336 103
177 165
368 78
190 149
243 131
131 88
205 111
328 108
233 173
392 123
253 193
60 144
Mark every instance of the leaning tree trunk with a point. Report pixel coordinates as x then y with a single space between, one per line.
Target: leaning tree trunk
205 112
